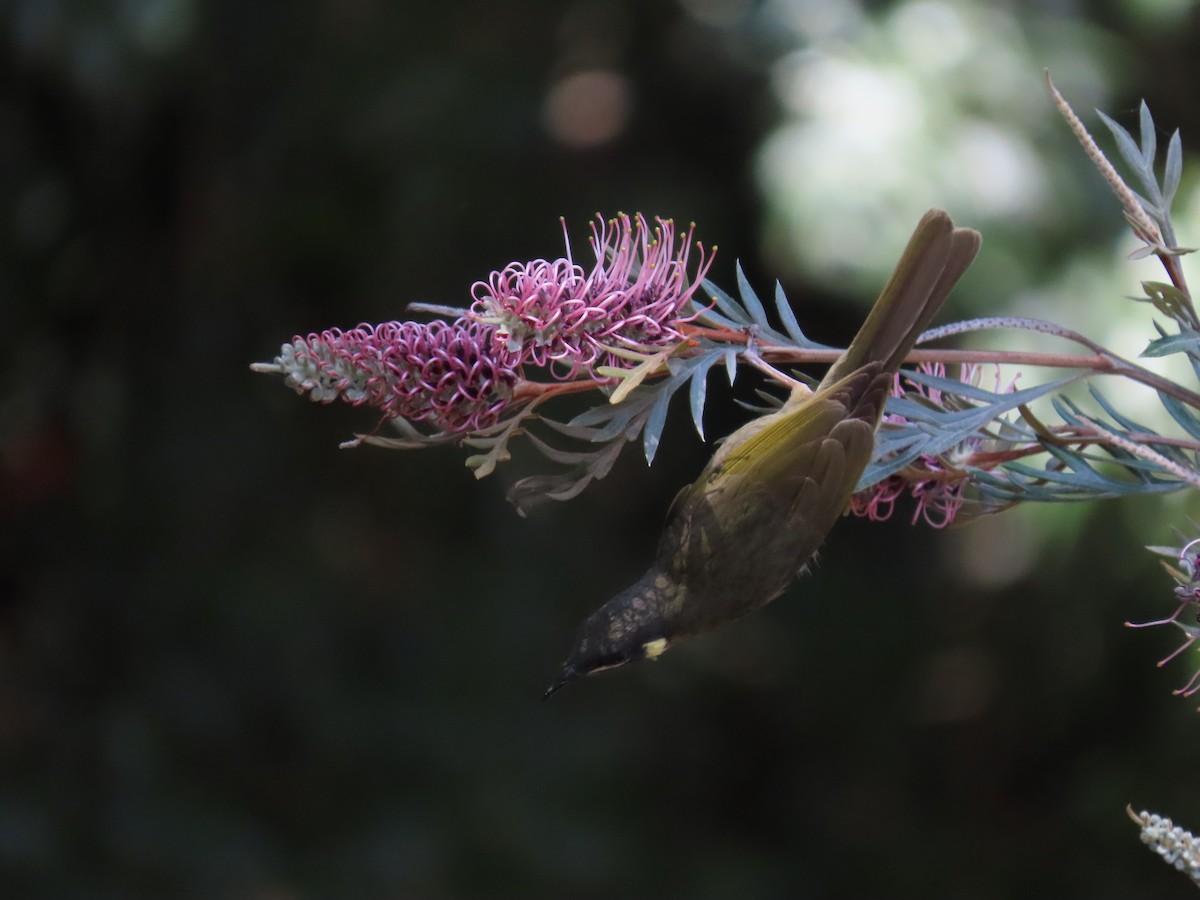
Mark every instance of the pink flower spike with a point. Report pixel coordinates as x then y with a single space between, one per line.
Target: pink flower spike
553 314
450 374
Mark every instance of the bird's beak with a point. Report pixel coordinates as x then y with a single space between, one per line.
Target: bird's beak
565 677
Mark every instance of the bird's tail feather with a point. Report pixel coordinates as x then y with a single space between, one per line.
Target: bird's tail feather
936 257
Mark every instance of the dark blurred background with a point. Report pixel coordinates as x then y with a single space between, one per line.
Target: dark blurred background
236 661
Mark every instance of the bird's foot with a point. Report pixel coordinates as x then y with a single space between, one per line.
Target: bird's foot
751 355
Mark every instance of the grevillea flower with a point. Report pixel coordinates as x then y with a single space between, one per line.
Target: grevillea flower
937 483
450 374
1186 572
556 314
461 376
1177 846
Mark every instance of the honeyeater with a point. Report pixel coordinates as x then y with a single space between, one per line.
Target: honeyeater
736 537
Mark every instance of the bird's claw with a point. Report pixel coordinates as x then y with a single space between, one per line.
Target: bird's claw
751 355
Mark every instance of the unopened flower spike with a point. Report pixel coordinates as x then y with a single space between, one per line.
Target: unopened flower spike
449 374
1177 846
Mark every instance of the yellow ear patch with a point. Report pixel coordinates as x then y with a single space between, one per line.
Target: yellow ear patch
654 649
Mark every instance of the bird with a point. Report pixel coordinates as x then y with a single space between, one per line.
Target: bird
736 537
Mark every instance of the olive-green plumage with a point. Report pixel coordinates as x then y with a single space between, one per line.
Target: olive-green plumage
737 536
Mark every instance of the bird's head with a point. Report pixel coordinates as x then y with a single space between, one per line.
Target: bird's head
631 626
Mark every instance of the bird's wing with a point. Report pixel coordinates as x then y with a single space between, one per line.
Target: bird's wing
775 445
791 476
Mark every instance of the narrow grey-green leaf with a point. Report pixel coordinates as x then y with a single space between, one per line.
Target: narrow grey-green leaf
934 431
716 320
883 468
750 299
974 392
1172 343
788 317
1124 421
1125 144
564 457
1149 138
1181 414
575 431
1091 484
1174 169
657 420
1077 464
614 420
697 393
